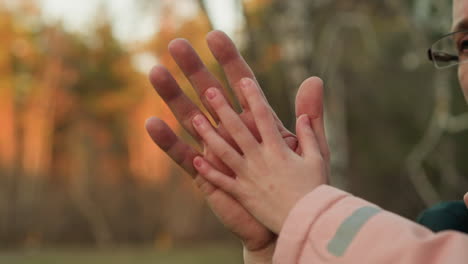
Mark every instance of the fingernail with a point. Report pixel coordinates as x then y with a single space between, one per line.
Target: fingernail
197 120
198 162
245 82
305 120
210 93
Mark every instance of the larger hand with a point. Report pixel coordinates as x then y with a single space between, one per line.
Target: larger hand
234 217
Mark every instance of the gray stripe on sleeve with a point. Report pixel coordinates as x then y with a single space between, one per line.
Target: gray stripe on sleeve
349 228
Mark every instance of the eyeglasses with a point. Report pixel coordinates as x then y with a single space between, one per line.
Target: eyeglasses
450 50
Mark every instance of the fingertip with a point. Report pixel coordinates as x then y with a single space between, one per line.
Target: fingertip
164 83
152 124
211 93
178 48
309 98
222 47
215 38
248 85
177 43
152 72
314 80
214 34
156 128
160 133
203 168
198 120
198 162
156 73
181 50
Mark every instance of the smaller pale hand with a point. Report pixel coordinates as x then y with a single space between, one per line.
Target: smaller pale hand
269 177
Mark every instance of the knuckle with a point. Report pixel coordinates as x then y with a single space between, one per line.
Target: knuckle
204 186
224 155
236 128
177 152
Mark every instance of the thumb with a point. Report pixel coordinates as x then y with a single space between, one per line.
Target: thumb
306 136
309 101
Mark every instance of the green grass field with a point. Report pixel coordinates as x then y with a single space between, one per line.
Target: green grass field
193 255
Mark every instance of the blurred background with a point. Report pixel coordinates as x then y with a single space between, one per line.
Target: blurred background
80 180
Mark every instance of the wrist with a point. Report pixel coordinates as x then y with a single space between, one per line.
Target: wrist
283 210
260 256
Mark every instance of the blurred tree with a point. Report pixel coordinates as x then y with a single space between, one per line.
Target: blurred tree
76 164
66 104
8 118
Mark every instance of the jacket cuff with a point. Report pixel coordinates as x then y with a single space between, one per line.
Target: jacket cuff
300 220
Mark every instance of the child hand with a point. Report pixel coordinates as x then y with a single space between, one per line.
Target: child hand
269 177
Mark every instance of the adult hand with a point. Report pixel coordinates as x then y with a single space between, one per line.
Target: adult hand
253 234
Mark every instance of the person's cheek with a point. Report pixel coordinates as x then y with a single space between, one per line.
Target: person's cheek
463 78
466 199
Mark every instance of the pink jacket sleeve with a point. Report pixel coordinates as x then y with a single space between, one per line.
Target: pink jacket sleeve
332 226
